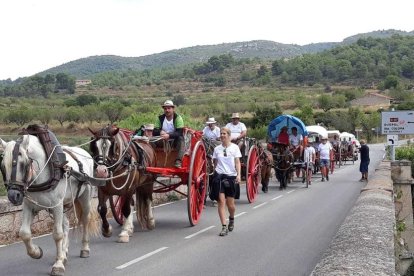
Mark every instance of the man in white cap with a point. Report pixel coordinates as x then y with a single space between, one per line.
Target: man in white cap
238 130
170 126
324 150
211 130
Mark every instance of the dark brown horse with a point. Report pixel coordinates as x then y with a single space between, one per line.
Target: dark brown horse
283 163
122 163
266 159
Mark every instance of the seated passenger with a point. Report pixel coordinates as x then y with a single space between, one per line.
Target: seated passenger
296 143
211 130
148 130
238 130
283 137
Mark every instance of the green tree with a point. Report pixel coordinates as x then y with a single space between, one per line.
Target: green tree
112 110
325 102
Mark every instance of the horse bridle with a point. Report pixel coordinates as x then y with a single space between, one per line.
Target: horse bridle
13 183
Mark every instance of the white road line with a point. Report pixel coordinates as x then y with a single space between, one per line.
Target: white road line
168 203
199 232
291 191
277 197
260 205
134 261
238 215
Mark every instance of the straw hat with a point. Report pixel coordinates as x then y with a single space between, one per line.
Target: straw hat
235 115
149 127
168 103
211 121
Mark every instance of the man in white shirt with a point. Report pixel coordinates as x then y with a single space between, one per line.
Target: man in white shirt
324 150
211 130
238 130
296 143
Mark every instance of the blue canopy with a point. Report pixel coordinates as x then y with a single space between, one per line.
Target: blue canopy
289 121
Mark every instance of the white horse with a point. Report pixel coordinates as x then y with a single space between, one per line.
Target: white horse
28 173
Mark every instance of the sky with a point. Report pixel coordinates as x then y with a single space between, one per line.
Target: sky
40 34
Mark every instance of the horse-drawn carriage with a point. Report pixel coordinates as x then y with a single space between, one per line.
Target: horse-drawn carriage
285 161
349 151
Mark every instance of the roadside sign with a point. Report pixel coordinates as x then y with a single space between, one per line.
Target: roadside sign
397 122
392 140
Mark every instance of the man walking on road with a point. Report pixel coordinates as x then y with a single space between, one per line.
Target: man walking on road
363 166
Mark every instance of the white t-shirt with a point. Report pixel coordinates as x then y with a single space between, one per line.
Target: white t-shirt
307 154
226 164
211 134
324 150
168 126
236 129
295 140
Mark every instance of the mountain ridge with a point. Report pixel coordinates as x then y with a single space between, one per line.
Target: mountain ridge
263 49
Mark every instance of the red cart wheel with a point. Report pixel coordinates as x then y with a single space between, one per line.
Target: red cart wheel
197 183
252 174
117 202
332 161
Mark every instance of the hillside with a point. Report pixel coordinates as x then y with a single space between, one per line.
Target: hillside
86 67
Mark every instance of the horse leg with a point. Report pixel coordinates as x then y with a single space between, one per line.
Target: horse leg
58 267
65 242
144 207
25 233
103 210
87 219
128 227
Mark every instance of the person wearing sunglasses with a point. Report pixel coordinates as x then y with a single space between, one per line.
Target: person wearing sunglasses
227 173
170 126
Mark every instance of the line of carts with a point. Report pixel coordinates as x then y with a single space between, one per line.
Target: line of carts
197 165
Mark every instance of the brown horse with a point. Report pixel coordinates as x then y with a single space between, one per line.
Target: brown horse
266 159
283 164
122 163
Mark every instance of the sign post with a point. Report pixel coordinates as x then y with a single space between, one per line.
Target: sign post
394 123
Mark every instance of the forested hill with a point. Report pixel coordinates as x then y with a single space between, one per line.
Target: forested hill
86 67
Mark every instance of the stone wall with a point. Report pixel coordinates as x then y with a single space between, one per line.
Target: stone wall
364 244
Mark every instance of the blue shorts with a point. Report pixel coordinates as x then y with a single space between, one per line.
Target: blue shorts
324 163
363 166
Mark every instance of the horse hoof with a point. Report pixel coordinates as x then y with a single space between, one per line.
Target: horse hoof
151 225
106 233
123 239
58 271
38 256
84 254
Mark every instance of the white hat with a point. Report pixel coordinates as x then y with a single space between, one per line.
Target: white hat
211 121
149 127
168 103
324 137
235 115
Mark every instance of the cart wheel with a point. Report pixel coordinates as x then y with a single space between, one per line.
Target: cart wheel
252 174
197 183
117 202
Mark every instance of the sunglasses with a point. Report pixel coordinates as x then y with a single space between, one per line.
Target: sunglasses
225 153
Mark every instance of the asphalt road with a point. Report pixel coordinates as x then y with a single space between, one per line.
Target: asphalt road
282 233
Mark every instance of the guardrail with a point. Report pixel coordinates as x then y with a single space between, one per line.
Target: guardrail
364 244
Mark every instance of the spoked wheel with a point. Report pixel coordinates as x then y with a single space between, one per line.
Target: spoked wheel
117 203
197 183
252 174
308 177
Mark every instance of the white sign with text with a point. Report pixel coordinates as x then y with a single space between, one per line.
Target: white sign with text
397 122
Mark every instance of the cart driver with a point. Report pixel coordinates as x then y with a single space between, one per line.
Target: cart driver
296 142
238 130
170 126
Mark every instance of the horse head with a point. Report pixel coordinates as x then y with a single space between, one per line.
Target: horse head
103 149
17 168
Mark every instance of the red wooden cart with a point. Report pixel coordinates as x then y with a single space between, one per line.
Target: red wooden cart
193 173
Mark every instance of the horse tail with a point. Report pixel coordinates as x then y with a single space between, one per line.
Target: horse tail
93 226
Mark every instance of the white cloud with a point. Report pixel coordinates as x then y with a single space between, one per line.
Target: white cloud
37 35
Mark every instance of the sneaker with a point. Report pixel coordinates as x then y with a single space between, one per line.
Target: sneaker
323 179
303 180
327 177
224 231
231 224
177 163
